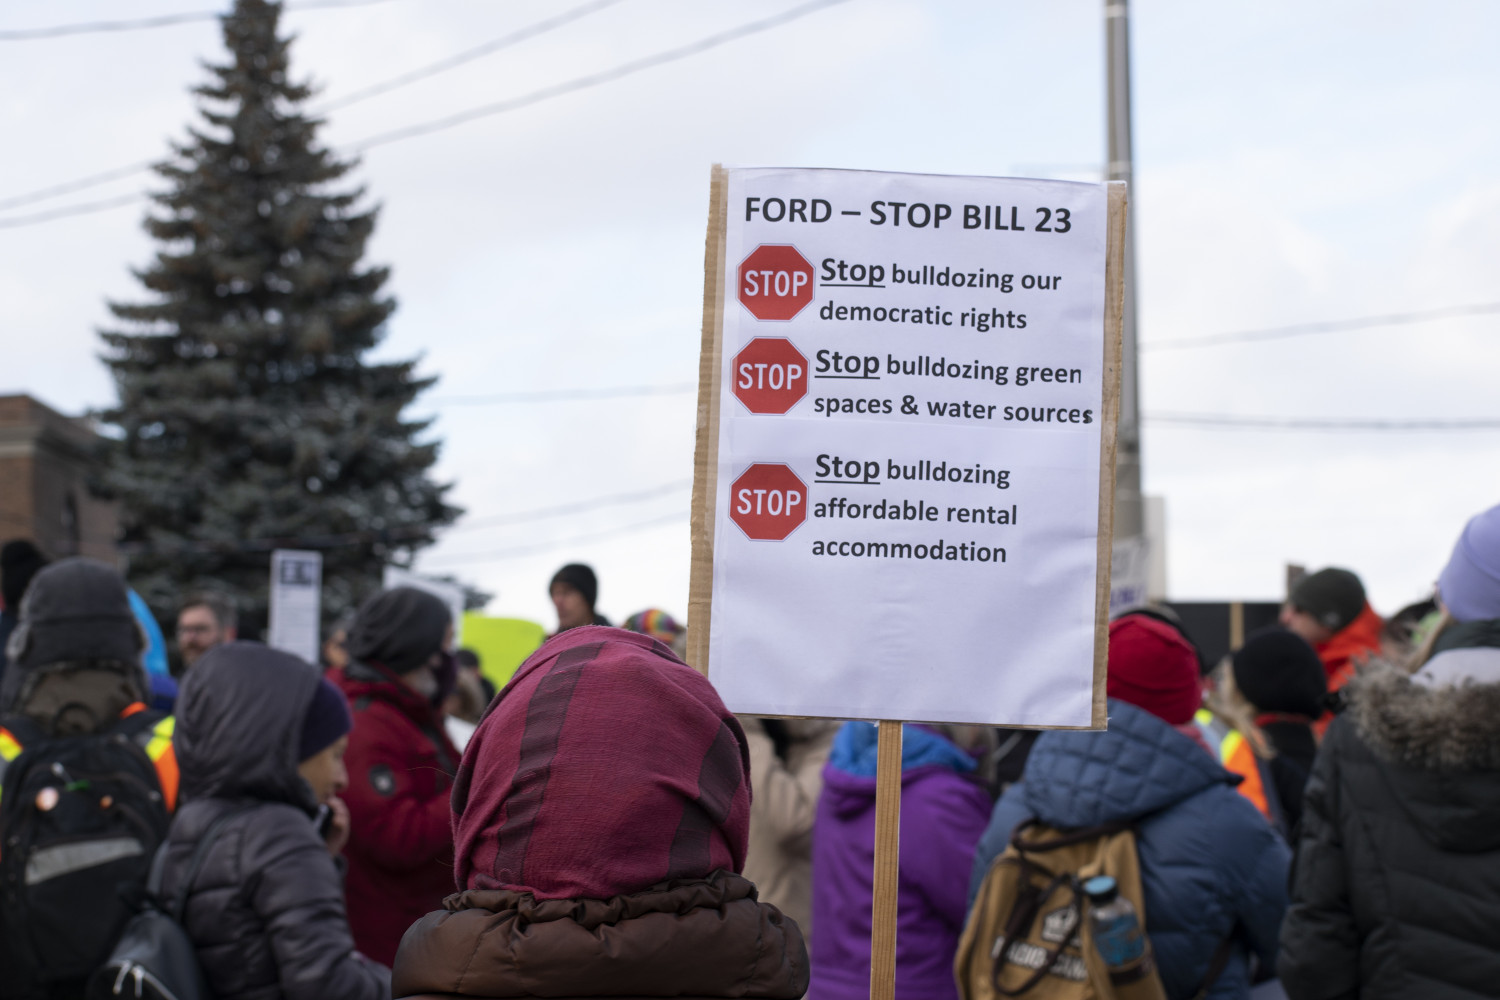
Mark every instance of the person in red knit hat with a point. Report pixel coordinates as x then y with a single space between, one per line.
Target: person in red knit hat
1212 869
1153 666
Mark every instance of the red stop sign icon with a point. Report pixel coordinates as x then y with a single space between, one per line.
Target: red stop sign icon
770 375
768 502
776 282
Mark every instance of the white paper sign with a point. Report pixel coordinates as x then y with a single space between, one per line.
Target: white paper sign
908 485
296 602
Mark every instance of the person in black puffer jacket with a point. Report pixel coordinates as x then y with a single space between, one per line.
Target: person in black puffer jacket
260 736
1396 886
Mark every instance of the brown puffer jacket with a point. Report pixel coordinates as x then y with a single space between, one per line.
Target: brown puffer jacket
686 938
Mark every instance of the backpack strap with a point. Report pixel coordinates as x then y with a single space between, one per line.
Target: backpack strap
1216 965
200 855
1069 839
155 875
1022 917
24 731
136 722
16 734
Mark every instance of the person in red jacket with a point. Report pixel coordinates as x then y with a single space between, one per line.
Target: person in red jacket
401 765
1328 609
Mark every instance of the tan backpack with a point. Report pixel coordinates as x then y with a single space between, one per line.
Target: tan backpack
1028 935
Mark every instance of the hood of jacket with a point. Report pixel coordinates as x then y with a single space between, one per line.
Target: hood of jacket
239 721
682 938
1138 766
849 779
1443 747
1465 652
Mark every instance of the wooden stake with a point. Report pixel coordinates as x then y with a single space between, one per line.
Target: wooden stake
1236 625
706 452
1114 324
887 863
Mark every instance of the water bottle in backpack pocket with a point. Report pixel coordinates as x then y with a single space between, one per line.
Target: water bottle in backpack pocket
1119 939
80 820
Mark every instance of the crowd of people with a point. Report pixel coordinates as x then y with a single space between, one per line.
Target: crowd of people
1321 808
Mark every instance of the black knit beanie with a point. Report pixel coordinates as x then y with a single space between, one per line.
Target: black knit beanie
1335 597
581 578
76 609
327 719
399 629
1277 671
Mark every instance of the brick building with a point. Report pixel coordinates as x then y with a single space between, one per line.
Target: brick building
45 462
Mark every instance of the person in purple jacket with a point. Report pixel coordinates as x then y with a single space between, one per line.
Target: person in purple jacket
944 809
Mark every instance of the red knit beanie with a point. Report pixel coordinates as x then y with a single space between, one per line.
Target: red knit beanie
1154 668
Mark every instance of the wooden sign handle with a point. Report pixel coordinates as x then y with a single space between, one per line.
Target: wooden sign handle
887 863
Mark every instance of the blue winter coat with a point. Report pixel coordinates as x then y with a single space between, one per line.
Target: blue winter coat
1209 862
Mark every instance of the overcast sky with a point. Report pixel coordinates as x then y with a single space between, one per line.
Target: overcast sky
1295 163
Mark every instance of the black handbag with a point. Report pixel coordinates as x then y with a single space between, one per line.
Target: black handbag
154 958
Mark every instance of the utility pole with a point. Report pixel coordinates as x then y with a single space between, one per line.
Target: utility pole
1129 510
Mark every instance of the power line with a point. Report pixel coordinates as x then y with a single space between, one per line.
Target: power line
68 187
514 38
593 79
395 536
1354 424
85 208
558 510
398 537
567 395
513 104
595 536
468 55
162 21
1333 326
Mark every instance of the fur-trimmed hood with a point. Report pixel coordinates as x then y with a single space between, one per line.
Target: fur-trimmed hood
1442 745
1446 728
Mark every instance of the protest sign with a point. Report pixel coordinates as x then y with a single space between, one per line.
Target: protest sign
296 602
904 489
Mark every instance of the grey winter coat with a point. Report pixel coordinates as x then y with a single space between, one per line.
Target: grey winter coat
266 912
1396 886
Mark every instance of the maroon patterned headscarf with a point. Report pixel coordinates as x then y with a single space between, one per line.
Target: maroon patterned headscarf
605 766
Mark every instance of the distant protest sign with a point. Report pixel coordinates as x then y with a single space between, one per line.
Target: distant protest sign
905 459
296 602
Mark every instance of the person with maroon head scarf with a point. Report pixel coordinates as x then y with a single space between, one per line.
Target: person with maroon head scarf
600 820
400 765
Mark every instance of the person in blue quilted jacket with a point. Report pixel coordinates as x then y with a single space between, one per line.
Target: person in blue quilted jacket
1213 870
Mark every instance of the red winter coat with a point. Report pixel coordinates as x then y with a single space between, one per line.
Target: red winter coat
400 850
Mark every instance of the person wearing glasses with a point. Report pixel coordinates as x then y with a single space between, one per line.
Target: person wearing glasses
205 620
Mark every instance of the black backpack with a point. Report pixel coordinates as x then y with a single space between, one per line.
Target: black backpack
81 818
154 958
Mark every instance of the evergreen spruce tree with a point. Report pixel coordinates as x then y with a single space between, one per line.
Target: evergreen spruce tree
248 417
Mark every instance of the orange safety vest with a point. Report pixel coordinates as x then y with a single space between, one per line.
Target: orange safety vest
158 748
1237 756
